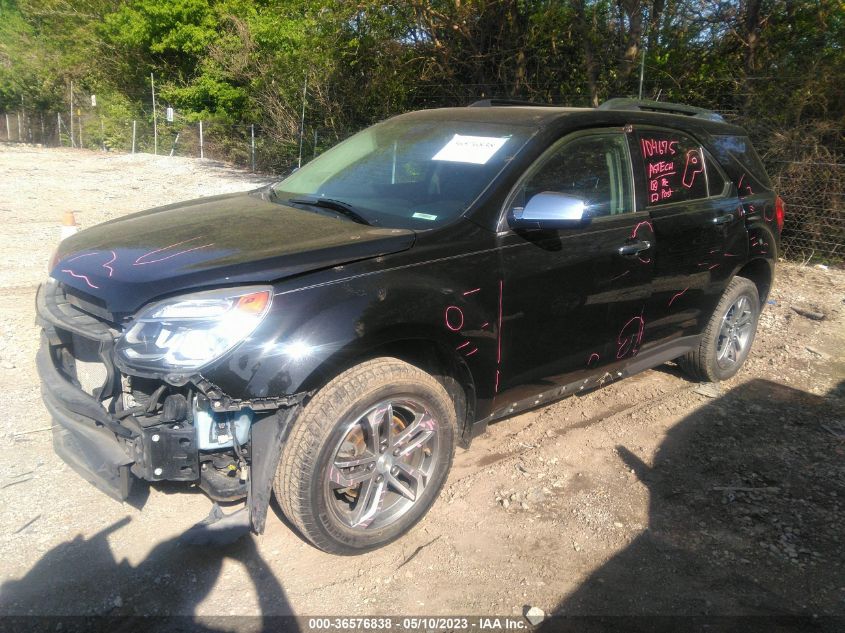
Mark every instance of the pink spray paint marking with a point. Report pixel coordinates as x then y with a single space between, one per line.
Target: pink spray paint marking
83 277
462 345
485 324
473 351
713 266
593 358
471 292
73 259
499 326
138 261
499 337
677 296
107 265
620 276
640 224
729 255
454 310
693 167
630 343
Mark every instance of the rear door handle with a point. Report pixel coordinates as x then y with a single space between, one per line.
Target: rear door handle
632 248
724 219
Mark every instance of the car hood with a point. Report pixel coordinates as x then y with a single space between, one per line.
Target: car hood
223 240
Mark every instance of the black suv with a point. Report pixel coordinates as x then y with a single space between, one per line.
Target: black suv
333 337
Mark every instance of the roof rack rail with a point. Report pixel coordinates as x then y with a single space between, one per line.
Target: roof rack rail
488 103
660 106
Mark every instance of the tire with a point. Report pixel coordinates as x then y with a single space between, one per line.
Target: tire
729 334
397 458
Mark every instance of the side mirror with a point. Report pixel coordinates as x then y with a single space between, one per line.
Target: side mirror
549 210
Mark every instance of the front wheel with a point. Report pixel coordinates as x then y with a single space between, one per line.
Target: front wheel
368 456
728 336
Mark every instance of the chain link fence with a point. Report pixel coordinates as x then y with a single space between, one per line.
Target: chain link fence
807 166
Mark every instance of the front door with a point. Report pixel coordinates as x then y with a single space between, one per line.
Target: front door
572 300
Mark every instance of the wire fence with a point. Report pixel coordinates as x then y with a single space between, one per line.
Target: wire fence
808 174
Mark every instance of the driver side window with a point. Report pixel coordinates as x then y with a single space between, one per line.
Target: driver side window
595 168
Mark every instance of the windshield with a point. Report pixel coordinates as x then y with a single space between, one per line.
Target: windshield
408 173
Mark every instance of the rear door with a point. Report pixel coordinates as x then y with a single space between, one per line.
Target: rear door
571 302
700 236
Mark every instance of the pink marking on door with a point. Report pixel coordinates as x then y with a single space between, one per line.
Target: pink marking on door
677 295
485 324
643 223
471 292
460 315
496 386
631 342
462 345
474 350
499 325
593 356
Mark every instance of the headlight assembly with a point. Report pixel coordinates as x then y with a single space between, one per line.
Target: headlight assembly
185 333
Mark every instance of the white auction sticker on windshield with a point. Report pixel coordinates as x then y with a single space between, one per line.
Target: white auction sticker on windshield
470 149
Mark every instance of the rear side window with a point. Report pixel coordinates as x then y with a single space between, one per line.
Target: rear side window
742 151
674 167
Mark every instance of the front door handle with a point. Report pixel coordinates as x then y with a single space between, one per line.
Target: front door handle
633 248
724 219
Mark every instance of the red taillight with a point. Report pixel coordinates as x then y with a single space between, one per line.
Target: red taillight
780 211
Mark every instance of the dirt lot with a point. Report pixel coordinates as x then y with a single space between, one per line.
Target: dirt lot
651 496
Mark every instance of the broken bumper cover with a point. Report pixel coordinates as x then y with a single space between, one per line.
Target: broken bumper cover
111 453
84 433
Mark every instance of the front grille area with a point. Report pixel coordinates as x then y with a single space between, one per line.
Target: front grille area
91 372
81 344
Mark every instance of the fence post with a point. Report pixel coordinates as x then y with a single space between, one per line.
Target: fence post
175 141
252 144
8 135
59 128
72 144
133 135
155 116
202 154
20 133
79 125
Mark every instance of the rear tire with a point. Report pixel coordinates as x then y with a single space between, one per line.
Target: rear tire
728 336
368 456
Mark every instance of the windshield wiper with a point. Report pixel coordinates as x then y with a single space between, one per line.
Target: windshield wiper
335 205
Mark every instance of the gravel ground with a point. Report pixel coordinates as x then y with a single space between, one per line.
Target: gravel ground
650 496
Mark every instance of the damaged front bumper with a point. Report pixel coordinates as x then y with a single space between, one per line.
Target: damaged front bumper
112 445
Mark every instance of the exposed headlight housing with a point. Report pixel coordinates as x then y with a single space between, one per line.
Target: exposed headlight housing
183 334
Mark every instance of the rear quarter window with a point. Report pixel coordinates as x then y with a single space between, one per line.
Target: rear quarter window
730 148
674 167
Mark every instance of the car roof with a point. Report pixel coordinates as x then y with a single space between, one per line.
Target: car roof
540 116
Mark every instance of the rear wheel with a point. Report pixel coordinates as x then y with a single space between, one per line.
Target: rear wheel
368 456
729 334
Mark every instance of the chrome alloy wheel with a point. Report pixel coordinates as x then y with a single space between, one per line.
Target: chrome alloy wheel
735 332
383 463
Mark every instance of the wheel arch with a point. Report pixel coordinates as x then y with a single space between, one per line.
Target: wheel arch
760 272
428 353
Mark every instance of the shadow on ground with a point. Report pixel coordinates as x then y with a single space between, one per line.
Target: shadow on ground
79 585
745 523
